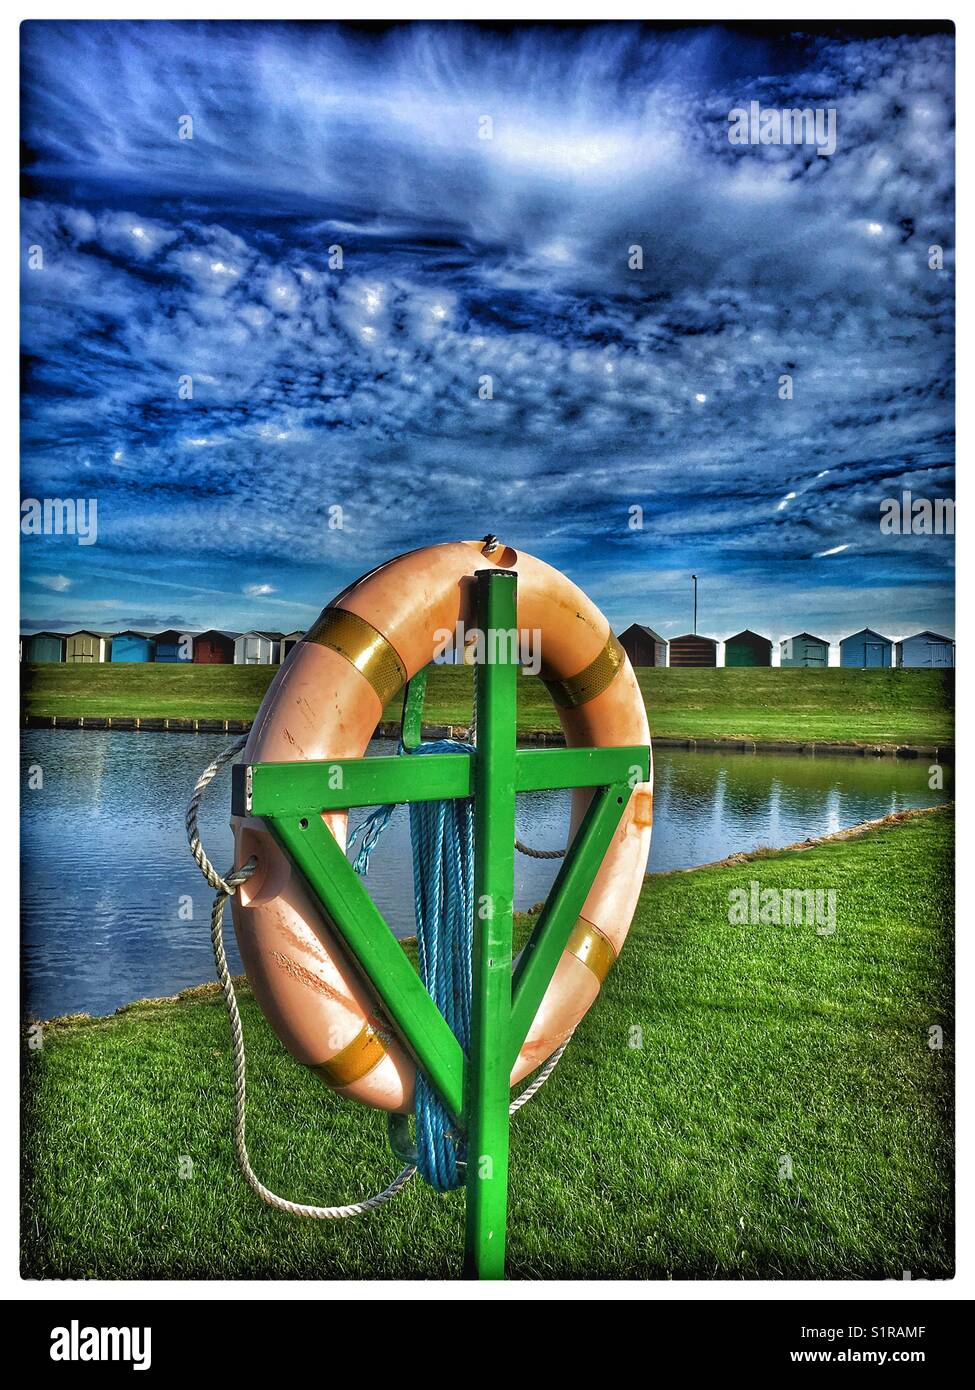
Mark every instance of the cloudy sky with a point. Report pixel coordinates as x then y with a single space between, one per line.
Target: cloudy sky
485 188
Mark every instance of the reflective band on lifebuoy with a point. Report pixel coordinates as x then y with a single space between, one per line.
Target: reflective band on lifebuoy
591 681
588 944
356 1060
363 645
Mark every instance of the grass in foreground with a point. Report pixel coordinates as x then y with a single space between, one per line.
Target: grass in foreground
657 1161
834 706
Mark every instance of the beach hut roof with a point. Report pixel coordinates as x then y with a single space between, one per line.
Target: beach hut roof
747 632
864 632
647 631
694 637
810 636
926 632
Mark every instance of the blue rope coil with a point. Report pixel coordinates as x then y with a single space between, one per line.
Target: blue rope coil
442 836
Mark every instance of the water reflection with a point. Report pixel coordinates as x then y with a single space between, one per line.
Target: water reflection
114 909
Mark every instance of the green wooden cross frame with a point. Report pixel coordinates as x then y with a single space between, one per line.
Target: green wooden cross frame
291 797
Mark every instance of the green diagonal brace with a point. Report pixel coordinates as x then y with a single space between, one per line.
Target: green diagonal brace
379 955
561 911
411 723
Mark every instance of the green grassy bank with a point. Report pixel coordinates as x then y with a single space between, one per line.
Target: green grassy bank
833 706
762 1047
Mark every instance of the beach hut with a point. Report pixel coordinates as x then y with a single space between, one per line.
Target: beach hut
643 646
257 648
804 650
692 650
132 646
866 648
173 647
42 646
925 649
289 641
86 646
214 647
747 649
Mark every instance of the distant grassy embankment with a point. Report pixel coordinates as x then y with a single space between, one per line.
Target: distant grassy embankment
831 706
145 692
742 1102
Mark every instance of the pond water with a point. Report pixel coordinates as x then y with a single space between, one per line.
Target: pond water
108 880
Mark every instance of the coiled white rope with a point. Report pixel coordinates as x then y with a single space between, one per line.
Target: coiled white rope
225 887
219 884
315 1213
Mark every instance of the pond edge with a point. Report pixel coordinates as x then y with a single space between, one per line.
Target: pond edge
936 753
211 989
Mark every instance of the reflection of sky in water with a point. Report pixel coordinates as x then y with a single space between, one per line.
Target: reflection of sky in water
106 865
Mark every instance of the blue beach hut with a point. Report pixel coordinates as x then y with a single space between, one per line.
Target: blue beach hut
867 649
132 646
173 647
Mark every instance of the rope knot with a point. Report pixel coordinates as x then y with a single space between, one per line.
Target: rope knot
236 877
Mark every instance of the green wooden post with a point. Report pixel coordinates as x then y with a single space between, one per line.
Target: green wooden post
494 779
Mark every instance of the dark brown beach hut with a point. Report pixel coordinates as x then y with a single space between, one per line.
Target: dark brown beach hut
693 650
643 646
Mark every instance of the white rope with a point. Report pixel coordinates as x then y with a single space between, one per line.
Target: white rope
339 1213
225 888
540 1079
192 811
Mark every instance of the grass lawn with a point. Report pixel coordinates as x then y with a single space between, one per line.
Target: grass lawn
657 1161
832 706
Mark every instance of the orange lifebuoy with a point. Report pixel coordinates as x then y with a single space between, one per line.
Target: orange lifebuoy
325 703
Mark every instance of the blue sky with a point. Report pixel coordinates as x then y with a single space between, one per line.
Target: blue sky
316 387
